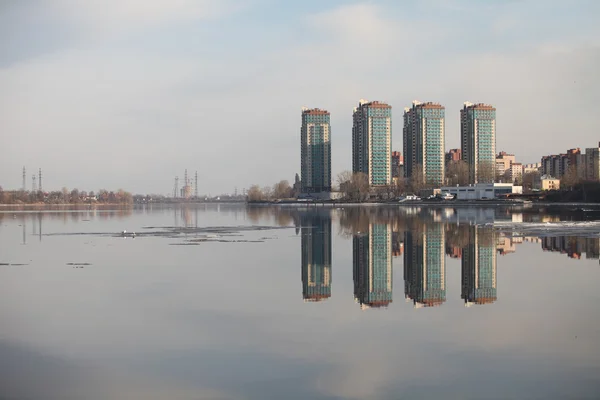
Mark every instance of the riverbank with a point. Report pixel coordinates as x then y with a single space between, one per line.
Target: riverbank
62 207
426 203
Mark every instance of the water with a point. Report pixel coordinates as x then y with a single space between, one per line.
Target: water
220 302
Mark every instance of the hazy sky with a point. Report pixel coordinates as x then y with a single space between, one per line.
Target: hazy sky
129 93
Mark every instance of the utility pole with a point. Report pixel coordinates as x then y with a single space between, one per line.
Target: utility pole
40 180
176 188
24 179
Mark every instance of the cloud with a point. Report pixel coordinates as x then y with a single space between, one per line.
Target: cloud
117 16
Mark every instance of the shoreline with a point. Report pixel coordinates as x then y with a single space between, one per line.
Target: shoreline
429 204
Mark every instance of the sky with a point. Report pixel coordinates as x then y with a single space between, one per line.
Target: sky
129 93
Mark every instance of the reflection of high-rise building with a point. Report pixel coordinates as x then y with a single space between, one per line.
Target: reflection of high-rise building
572 246
397 245
316 256
479 267
425 266
372 262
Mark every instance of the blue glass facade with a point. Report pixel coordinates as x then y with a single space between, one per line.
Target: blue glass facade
315 157
424 142
478 141
372 141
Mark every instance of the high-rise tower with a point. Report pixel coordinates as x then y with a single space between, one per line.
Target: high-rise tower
372 141
424 147
478 141
315 151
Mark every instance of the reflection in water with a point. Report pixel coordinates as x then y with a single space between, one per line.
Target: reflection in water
573 246
425 266
372 262
479 267
316 255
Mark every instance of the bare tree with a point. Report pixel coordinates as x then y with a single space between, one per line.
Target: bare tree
267 192
399 186
457 173
255 193
343 178
282 190
529 180
354 186
569 178
486 172
417 180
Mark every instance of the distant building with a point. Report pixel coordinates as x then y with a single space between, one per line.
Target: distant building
530 168
424 136
478 267
482 190
515 173
316 255
546 182
453 155
315 154
425 266
503 162
592 163
478 140
397 164
372 266
297 188
372 141
555 165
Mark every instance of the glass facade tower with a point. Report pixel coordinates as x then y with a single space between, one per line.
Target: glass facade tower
372 141
315 157
478 141
424 142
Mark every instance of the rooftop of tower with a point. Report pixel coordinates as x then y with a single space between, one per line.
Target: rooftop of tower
378 104
427 104
479 106
314 111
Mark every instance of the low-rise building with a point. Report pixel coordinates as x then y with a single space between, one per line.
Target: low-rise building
515 172
503 162
546 182
482 191
533 167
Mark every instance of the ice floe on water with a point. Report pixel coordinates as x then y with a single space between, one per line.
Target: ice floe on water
566 228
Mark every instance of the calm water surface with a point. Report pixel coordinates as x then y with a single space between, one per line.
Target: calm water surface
221 302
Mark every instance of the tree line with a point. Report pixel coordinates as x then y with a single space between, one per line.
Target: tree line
65 196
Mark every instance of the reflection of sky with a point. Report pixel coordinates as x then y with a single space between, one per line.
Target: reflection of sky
227 321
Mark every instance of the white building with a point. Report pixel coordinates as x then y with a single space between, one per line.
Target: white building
482 190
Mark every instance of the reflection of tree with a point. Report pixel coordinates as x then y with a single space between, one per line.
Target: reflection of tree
281 216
